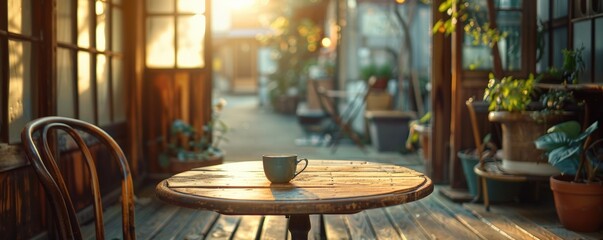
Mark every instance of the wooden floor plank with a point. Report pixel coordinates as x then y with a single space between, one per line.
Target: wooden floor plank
316 230
176 224
335 227
546 217
500 221
199 225
148 226
113 228
359 226
445 218
381 225
274 228
403 223
224 227
471 222
430 225
249 228
428 218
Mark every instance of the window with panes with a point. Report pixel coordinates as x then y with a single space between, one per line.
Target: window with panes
175 34
81 79
572 25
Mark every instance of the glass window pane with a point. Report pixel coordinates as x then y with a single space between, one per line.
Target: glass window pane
20 105
543 63
582 38
191 33
84 87
103 94
559 42
194 6
19 16
598 61
597 6
510 46
160 42
560 8
543 10
65 84
476 57
83 23
160 6
117 30
64 20
101 25
508 4
119 91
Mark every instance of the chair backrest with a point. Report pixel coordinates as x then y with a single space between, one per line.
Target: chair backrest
329 106
37 139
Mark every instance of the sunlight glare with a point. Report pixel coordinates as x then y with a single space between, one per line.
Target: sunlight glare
240 4
326 42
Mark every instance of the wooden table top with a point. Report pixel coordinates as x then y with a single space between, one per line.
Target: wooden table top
326 186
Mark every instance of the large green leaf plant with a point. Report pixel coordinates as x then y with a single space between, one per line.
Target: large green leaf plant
565 145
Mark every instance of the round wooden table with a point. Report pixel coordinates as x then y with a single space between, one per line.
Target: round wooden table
325 187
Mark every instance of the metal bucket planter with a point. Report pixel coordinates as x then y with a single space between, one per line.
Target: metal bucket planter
498 191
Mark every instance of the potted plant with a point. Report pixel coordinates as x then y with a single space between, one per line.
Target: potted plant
190 148
513 105
578 191
382 73
573 66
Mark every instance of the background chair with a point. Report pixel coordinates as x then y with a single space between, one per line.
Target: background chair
342 120
37 138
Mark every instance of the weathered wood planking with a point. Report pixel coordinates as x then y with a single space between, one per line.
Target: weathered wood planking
335 227
481 229
382 227
248 228
437 217
404 223
326 187
359 226
316 230
224 227
198 227
274 228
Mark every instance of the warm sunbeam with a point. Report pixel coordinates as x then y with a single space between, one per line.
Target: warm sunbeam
239 4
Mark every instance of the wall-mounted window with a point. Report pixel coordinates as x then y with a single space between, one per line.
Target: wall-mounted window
509 15
572 25
90 84
175 33
20 38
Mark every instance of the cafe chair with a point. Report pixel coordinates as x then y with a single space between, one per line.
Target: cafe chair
39 140
342 120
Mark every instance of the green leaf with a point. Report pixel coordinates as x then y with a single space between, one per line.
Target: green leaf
551 141
570 128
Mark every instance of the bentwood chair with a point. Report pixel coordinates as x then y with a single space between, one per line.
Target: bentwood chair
39 139
342 120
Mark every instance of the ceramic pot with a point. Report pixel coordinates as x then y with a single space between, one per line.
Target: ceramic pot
579 205
519 130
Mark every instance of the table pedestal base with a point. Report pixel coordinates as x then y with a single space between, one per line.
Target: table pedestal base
299 226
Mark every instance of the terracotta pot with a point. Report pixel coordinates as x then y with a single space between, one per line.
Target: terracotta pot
579 205
381 83
177 166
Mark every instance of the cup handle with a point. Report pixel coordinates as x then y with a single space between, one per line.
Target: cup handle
297 162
